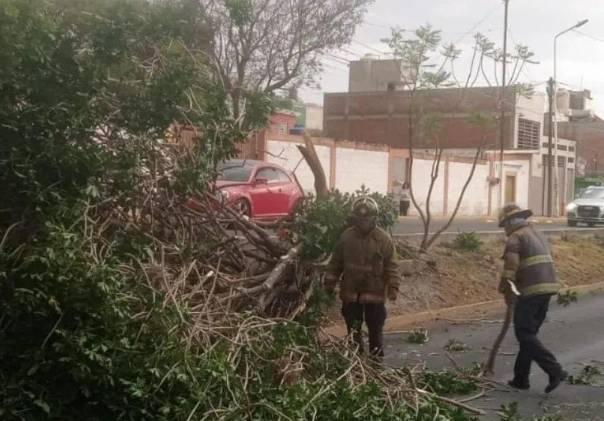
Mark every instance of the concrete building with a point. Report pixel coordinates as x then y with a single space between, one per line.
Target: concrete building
382 117
370 74
577 121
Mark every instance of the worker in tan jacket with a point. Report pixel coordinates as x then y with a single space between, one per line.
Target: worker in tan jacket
364 262
528 282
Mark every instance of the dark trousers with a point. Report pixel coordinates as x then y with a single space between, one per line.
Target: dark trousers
374 315
529 314
404 207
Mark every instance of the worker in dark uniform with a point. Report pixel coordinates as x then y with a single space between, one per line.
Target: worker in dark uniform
364 262
529 280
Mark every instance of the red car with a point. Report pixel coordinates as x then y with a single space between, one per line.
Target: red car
258 189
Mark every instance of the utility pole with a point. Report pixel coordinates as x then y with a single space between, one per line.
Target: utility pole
502 102
550 99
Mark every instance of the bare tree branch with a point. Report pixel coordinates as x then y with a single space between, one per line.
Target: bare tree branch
267 45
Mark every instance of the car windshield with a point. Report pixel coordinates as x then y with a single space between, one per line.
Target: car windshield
593 194
234 172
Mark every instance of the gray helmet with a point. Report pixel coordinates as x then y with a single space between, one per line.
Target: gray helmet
364 206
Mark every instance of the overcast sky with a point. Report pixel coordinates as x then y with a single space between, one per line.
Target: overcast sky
531 22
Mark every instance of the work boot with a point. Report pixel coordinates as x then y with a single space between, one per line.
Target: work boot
519 385
554 381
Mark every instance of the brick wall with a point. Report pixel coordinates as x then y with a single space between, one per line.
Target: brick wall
382 117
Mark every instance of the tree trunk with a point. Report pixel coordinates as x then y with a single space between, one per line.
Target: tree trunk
309 153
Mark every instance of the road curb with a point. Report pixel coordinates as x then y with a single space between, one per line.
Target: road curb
406 320
499 235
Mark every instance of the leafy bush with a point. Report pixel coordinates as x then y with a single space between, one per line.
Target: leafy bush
455 345
586 376
467 241
446 382
567 298
418 336
319 222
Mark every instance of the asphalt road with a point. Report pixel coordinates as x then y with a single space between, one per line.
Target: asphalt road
413 225
575 334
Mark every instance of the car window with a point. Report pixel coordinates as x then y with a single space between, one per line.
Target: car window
283 177
234 173
593 194
270 174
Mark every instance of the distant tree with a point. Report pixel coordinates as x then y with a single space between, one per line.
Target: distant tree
419 51
270 45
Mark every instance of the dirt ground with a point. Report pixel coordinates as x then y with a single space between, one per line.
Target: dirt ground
449 277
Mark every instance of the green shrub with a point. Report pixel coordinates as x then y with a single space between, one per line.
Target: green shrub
319 222
567 298
467 241
446 382
418 336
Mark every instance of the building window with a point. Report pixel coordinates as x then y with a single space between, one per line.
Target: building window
561 161
562 147
282 128
528 134
571 160
571 148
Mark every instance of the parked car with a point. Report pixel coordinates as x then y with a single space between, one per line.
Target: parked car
258 189
588 208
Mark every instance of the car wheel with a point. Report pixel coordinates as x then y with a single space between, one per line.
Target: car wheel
572 223
242 207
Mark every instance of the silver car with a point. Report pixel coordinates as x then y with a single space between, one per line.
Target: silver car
588 208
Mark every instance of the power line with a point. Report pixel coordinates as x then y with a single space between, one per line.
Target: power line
370 47
480 22
588 35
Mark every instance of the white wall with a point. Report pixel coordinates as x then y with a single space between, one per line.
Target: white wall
288 156
421 184
475 199
357 167
314 117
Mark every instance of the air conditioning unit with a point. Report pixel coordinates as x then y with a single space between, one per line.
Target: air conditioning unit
492 180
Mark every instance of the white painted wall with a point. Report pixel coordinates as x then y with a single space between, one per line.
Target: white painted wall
357 167
314 117
421 184
288 156
475 199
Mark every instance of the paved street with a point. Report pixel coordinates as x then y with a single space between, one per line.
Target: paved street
413 225
575 334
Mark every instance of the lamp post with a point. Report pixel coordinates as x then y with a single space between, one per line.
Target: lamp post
555 166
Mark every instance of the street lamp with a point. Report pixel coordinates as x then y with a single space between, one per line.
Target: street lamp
575 26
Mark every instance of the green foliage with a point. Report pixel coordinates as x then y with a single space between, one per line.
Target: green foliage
586 376
319 222
455 345
418 336
86 91
509 412
567 298
416 50
467 241
446 382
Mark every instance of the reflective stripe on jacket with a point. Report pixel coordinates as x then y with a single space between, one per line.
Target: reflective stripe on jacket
528 262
